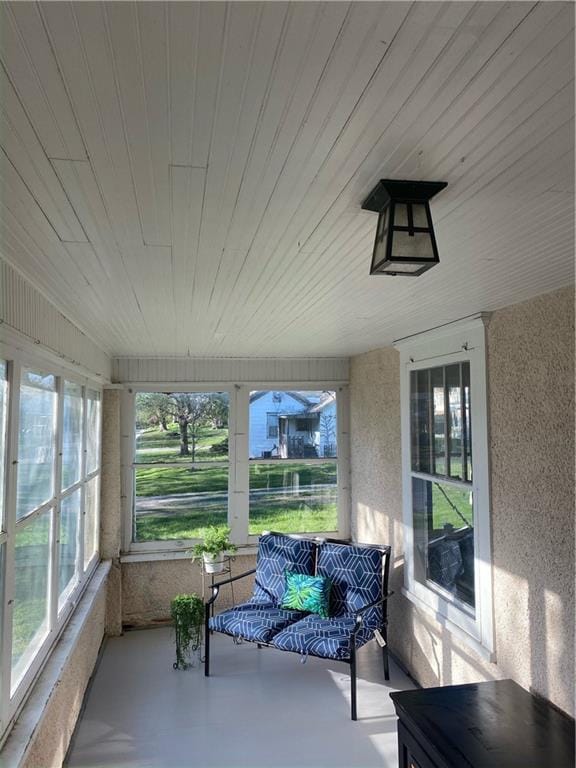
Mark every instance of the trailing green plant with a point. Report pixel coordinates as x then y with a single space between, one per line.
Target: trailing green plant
187 613
215 540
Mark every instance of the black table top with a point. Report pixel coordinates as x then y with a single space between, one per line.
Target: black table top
494 724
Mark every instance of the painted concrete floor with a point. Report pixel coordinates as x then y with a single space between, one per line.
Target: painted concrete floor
260 709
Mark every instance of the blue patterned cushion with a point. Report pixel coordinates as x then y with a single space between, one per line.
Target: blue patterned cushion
356 576
327 638
276 555
257 622
307 593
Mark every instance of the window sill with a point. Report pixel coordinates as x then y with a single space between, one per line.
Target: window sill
482 651
174 554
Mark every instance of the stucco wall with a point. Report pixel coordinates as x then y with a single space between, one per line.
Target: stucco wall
110 511
531 406
148 587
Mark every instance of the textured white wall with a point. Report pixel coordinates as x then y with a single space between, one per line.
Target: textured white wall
531 406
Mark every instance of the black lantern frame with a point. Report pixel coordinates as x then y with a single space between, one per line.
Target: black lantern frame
405 243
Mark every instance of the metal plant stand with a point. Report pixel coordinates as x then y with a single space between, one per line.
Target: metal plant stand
209 579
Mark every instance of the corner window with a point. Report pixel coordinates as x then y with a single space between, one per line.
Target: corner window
445 469
49 468
294 471
251 459
180 464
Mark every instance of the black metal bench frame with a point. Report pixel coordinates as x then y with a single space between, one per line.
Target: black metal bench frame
358 616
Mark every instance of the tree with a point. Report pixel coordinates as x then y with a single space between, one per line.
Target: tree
153 408
190 411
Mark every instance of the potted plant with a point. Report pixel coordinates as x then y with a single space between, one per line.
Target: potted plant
212 548
187 613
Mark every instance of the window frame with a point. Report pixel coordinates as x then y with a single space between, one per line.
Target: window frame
463 341
17 359
238 460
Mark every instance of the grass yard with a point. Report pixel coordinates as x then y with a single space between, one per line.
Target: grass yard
155 446
287 496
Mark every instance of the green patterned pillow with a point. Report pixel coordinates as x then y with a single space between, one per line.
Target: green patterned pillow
307 593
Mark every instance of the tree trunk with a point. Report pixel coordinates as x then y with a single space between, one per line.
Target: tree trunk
163 424
193 445
184 450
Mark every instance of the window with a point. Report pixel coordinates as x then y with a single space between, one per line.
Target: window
180 466
250 459
294 474
48 514
446 508
272 421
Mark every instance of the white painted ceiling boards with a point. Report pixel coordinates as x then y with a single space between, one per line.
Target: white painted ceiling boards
186 178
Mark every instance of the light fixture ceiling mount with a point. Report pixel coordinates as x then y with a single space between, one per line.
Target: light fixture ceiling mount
405 243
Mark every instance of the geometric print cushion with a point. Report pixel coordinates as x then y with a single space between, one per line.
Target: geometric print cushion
356 576
307 593
327 638
253 621
276 555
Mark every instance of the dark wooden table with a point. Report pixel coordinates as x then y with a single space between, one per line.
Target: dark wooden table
481 725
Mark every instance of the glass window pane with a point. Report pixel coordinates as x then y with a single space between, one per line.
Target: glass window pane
181 427
467 421
35 441
454 420
293 497
306 420
178 502
443 519
419 217
72 434
91 519
68 544
438 404
92 431
3 421
30 617
420 420
416 246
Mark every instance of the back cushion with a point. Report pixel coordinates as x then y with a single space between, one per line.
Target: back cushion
277 554
356 576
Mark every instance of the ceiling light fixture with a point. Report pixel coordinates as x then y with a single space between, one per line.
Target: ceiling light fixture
405 242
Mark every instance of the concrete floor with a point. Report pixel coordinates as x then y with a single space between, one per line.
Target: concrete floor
260 709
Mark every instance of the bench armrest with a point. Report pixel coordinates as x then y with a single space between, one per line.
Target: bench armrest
359 615
216 587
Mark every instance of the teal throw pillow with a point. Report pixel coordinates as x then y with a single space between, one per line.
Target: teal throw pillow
307 593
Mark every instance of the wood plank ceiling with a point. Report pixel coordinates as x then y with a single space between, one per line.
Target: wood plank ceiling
186 178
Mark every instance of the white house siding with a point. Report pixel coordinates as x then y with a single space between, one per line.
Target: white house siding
259 410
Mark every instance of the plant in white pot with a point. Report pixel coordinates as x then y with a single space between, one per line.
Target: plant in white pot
213 547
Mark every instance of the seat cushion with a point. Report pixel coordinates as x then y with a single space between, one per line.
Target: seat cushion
356 576
258 622
327 638
276 555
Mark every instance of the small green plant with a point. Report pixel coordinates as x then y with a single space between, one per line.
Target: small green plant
187 613
215 540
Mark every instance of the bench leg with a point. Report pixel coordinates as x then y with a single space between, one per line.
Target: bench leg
353 712
385 654
206 642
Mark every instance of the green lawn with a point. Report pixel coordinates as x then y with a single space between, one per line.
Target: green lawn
444 513
155 446
287 496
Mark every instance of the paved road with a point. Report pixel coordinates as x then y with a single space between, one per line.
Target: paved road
185 502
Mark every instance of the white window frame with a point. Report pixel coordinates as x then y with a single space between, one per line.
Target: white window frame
463 341
18 358
238 460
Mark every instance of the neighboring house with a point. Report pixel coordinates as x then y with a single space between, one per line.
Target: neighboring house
290 425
